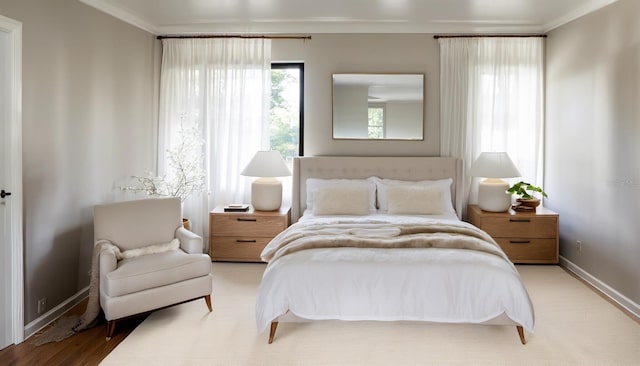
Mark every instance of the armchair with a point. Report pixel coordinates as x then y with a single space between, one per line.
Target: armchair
141 283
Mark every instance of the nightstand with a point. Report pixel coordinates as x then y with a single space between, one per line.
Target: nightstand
526 237
241 236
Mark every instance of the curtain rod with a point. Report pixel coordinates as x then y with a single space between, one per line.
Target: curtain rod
234 36
489 35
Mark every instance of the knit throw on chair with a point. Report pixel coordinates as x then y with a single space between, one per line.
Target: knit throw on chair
67 326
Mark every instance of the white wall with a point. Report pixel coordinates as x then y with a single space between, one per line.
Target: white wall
326 54
592 163
89 118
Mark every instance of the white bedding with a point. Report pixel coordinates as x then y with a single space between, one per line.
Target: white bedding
433 284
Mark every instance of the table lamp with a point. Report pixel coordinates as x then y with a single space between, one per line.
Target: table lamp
266 190
492 195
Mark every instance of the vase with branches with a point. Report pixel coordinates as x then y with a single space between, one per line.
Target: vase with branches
185 173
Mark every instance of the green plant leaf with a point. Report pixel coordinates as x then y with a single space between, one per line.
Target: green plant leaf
522 187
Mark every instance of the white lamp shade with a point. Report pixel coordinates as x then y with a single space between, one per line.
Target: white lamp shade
494 165
492 195
266 164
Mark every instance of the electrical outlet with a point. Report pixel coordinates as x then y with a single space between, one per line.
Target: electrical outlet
578 245
42 305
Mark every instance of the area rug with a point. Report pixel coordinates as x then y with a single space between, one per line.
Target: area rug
574 326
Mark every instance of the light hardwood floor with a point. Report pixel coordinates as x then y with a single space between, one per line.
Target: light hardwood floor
85 348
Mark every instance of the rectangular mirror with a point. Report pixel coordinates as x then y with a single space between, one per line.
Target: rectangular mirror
378 106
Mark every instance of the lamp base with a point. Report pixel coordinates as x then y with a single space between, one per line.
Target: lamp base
266 194
492 195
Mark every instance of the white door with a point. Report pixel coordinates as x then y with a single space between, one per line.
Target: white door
11 277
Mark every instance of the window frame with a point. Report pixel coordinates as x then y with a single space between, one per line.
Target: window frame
300 67
383 127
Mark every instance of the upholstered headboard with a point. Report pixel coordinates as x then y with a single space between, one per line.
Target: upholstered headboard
360 167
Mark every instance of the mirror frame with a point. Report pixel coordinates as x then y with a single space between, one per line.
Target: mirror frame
374 75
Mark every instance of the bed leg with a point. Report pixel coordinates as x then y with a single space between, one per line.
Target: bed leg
521 334
272 331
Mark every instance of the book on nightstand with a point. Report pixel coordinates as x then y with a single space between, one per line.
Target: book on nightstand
234 207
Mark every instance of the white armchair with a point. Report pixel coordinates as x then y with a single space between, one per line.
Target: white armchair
142 283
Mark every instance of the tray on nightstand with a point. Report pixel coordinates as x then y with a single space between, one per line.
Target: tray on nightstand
236 208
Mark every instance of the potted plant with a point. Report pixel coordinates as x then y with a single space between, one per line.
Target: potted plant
526 193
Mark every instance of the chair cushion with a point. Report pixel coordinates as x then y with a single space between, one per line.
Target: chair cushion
154 270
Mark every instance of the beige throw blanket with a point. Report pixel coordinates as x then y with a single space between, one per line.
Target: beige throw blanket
90 316
68 326
376 235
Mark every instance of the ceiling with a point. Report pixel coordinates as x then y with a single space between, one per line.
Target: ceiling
346 16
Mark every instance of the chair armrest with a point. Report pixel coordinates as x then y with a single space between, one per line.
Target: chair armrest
108 261
189 242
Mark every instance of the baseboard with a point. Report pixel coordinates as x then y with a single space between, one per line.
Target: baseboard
42 321
606 290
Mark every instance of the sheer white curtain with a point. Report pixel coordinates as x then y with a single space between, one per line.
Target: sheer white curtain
491 99
221 87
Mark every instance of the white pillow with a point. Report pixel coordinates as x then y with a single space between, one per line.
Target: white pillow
415 200
341 200
314 183
444 185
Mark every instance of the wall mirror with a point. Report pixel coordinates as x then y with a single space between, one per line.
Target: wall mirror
378 106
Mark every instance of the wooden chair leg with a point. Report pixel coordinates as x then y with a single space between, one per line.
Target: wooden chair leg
272 332
111 328
207 299
521 334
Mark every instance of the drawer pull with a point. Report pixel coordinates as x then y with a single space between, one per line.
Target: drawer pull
519 220
246 219
245 240
519 241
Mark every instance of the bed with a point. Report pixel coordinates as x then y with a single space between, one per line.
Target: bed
380 238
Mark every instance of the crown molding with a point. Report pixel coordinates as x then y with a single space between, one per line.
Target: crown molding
343 25
123 15
588 7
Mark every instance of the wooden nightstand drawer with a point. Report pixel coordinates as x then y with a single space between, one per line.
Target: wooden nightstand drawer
241 236
229 248
528 250
250 225
526 237
521 227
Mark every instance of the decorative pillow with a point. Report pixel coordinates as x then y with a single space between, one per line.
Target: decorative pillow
341 200
151 249
415 200
444 185
314 183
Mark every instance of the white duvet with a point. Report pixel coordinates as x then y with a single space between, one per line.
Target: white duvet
417 284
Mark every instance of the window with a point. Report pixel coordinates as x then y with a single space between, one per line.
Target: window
376 123
287 112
